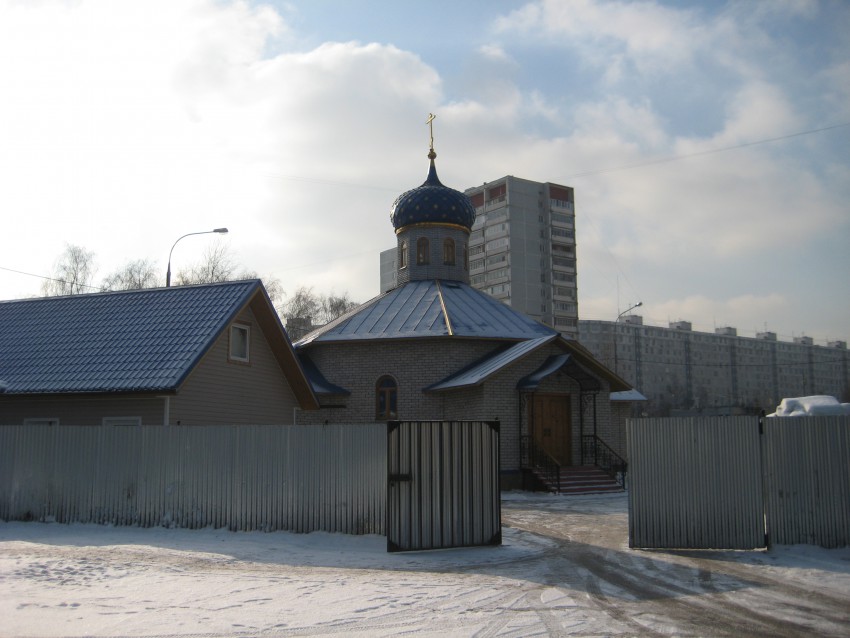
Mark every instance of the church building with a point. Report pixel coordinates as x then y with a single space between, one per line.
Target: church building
434 348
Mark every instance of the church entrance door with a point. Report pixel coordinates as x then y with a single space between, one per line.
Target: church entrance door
552 425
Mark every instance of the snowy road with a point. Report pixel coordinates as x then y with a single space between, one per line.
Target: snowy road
564 569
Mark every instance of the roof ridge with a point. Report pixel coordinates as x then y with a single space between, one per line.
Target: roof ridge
104 293
446 317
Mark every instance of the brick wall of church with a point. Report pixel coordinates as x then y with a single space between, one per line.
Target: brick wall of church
418 363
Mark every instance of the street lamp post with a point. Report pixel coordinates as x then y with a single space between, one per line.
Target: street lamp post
221 231
616 322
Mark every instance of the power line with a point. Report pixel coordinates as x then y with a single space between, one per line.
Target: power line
61 281
724 149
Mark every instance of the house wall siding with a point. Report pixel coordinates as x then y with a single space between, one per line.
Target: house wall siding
81 409
220 391
216 392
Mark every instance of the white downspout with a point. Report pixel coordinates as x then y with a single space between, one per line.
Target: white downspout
166 410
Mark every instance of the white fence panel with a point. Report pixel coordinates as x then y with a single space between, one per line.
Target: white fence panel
695 483
807 480
298 478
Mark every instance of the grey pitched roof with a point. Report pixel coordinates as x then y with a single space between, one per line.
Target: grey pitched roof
132 341
317 380
479 371
430 309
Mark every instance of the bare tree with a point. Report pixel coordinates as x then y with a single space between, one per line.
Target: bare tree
72 273
333 306
303 305
318 309
135 275
217 265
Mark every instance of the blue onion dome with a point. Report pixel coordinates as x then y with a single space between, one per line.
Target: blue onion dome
432 203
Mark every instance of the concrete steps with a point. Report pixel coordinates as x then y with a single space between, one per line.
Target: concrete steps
587 479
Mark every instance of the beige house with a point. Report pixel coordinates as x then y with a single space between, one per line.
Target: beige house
212 354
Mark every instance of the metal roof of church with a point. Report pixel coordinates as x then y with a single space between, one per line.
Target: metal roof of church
140 340
479 371
430 308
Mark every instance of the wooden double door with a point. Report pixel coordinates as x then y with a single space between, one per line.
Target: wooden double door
552 425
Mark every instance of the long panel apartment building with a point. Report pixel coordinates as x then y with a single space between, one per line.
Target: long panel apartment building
522 249
680 370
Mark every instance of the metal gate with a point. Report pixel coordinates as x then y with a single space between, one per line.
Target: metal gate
442 484
695 483
739 482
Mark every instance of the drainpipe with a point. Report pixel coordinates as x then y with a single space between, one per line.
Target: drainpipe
166 409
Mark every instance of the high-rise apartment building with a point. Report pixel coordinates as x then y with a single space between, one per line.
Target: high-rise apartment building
522 249
681 370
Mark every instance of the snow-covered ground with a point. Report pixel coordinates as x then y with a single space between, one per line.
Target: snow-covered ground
564 569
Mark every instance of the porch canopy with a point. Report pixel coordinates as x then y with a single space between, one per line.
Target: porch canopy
560 363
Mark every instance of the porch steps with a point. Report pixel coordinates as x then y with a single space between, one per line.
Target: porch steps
587 479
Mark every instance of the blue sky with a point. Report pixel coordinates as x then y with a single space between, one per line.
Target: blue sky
693 133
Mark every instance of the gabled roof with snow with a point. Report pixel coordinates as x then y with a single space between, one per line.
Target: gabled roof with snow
129 341
430 308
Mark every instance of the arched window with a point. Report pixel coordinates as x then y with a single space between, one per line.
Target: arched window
402 254
466 258
386 398
423 250
448 252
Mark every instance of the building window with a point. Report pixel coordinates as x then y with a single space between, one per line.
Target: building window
466 258
386 398
448 252
122 420
240 339
423 249
402 255
42 421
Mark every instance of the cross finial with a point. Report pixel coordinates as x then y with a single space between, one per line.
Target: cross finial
430 123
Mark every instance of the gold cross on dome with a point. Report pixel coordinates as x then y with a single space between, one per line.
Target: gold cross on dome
430 123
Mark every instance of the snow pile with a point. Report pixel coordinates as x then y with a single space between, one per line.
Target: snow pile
823 405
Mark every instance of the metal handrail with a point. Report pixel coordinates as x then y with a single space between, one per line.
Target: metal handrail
595 449
535 457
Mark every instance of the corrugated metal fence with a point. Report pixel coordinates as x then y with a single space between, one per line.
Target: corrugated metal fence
443 479
739 482
297 478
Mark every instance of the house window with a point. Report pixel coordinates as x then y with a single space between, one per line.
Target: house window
42 421
122 420
422 252
240 340
386 398
402 255
449 252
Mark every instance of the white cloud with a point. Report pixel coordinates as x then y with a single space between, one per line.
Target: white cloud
125 127
172 121
652 35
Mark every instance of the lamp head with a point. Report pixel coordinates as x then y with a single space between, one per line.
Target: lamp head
220 230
